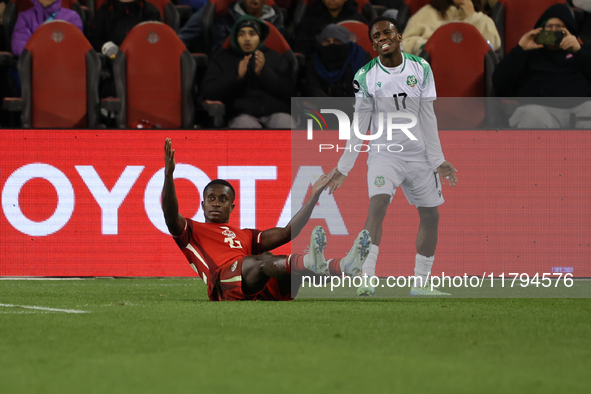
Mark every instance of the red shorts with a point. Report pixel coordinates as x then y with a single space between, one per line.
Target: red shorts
229 286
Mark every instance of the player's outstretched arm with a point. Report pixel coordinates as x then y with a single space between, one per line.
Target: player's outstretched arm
170 204
275 237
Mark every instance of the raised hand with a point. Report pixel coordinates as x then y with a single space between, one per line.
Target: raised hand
259 62
169 163
569 42
528 40
243 66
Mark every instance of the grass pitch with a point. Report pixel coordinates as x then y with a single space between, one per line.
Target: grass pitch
163 336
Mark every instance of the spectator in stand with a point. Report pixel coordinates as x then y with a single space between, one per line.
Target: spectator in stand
422 25
42 11
334 64
193 29
254 82
115 19
321 14
542 71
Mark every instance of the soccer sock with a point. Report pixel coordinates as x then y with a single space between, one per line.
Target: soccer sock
369 266
295 262
423 266
334 266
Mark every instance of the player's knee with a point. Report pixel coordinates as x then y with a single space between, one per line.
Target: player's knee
270 264
429 215
378 205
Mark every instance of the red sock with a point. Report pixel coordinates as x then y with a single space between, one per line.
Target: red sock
295 262
334 266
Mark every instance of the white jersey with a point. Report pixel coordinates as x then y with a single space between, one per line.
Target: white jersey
406 89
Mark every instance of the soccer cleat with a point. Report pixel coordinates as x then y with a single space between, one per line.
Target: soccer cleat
351 264
316 261
426 291
366 291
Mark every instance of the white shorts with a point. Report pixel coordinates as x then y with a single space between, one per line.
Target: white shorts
421 185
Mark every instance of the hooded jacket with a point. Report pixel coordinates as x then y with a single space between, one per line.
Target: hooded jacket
29 20
256 95
317 19
222 28
114 20
544 72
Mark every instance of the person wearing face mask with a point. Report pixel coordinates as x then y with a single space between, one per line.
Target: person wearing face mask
536 71
42 11
422 25
334 63
253 81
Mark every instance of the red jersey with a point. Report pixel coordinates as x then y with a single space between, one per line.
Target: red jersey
210 246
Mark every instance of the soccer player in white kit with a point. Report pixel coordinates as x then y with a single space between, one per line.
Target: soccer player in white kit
398 82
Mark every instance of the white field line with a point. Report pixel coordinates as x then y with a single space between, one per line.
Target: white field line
42 308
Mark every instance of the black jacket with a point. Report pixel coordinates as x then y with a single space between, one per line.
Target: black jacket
544 73
317 19
256 95
114 20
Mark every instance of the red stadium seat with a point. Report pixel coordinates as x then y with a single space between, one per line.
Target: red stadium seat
514 18
154 74
360 34
59 73
462 64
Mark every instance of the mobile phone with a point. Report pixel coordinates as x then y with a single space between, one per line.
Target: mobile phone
550 37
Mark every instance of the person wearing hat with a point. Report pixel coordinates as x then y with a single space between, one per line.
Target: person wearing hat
562 69
335 62
253 81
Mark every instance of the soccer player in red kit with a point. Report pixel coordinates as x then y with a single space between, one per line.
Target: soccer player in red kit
235 263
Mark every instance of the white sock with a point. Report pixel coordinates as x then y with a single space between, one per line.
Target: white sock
369 266
307 261
423 266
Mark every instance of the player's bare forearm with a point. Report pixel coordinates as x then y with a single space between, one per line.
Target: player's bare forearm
276 237
170 204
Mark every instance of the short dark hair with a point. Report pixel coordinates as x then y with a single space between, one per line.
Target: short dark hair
383 19
221 182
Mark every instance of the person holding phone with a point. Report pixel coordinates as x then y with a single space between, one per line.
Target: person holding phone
549 61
